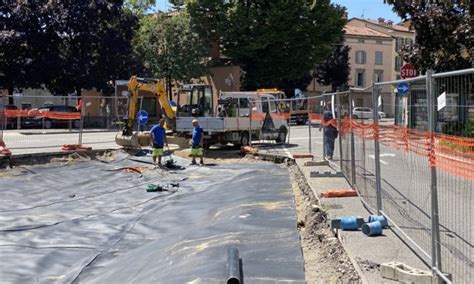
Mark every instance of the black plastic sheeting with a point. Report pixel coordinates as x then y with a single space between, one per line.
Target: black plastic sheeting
81 222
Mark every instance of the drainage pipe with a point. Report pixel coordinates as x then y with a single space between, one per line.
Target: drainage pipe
233 266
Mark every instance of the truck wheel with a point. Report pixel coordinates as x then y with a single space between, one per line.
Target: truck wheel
355 116
281 135
244 139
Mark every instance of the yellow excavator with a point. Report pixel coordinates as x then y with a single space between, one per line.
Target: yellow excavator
194 100
137 139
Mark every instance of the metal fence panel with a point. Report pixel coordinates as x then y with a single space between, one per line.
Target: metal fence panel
405 174
454 164
425 140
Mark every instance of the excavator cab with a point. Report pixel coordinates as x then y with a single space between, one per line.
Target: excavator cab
195 100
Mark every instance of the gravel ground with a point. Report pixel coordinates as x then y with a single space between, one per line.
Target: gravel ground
325 259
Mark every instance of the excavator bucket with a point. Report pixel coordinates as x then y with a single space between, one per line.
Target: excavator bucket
136 140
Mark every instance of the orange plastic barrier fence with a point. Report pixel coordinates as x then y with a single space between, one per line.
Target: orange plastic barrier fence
75 147
452 154
13 113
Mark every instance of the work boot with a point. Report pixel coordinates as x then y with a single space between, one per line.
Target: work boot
193 163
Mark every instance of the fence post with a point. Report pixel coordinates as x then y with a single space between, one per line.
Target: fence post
339 123
81 122
375 116
289 122
250 121
353 169
435 238
3 116
309 128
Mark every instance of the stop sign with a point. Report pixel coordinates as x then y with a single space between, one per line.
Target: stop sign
408 71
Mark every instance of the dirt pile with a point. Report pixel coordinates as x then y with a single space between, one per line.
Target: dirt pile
325 258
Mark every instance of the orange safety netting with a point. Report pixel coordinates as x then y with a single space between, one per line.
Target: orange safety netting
450 153
315 117
282 115
14 113
257 116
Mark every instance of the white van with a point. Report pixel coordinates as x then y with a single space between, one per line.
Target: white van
238 115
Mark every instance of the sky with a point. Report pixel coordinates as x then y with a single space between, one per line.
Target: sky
369 9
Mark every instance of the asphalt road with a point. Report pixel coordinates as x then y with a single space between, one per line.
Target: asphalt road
39 141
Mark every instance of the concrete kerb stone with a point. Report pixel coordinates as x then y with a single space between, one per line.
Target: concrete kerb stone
398 271
276 158
316 163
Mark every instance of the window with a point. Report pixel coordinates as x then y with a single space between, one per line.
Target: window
378 75
398 63
243 103
378 41
273 106
399 43
361 40
360 78
361 57
378 58
265 108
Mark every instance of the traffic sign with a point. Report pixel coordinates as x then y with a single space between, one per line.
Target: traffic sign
403 88
408 71
142 117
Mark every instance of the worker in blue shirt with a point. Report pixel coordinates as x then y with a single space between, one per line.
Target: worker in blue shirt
158 140
197 142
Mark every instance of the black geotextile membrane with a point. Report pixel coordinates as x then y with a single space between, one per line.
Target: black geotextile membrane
83 222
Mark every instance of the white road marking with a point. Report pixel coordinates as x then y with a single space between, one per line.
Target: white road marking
382 161
387 155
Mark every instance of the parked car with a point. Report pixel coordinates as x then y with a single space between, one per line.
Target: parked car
37 120
365 112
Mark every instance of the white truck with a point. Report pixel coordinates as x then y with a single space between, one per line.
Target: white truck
239 117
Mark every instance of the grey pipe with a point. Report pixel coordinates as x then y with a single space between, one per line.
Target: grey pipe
233 266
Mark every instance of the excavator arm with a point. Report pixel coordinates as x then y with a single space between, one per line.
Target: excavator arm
127 137
136 84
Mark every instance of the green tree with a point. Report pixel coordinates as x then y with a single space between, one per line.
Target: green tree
29 44
169 47
95 43
177 4
275 42
443 39
335 69
66 45
139 7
